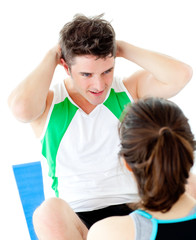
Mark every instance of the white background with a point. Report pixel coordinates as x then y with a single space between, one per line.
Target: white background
30 28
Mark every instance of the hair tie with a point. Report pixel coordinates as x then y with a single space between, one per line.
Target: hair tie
163 130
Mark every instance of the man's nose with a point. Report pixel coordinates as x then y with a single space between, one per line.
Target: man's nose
98 83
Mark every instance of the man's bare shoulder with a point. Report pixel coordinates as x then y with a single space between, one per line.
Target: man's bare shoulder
39 123
131 83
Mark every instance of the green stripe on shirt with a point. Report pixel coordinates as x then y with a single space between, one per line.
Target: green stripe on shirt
61 117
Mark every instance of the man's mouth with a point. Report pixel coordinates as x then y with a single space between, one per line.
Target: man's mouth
96 93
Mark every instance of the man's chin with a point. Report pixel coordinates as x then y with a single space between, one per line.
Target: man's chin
95 103
96 99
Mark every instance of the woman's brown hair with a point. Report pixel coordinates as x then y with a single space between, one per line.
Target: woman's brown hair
158 145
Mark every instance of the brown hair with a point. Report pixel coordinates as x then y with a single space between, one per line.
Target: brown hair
87 36
158 145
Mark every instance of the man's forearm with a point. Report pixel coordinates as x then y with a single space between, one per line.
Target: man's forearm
28 99
164 68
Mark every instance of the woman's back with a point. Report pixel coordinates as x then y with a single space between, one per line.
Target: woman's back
148 227
157 145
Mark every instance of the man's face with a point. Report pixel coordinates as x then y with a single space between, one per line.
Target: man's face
92 77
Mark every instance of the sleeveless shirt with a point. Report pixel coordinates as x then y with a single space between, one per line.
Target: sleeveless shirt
82 151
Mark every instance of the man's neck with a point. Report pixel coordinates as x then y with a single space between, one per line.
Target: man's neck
79 100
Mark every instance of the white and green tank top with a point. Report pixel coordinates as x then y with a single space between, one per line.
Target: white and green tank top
82 151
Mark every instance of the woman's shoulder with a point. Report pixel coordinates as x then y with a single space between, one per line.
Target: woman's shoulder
112 228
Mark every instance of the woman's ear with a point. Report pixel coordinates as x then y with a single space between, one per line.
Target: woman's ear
127 165
64 64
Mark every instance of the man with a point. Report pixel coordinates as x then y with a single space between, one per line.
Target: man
77 122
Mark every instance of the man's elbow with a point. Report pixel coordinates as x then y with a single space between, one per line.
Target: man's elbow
183 76
20 109
186 74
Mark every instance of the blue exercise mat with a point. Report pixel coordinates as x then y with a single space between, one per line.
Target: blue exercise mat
30 186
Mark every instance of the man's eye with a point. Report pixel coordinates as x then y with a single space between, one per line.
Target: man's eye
108 71
86 74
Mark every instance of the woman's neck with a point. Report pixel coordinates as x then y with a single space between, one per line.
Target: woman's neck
179 210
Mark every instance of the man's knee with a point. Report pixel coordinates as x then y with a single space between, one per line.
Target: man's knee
54 219
49 210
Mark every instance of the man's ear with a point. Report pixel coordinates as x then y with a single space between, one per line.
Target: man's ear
127 165
64 64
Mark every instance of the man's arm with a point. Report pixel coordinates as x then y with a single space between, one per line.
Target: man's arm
162 76
28 101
